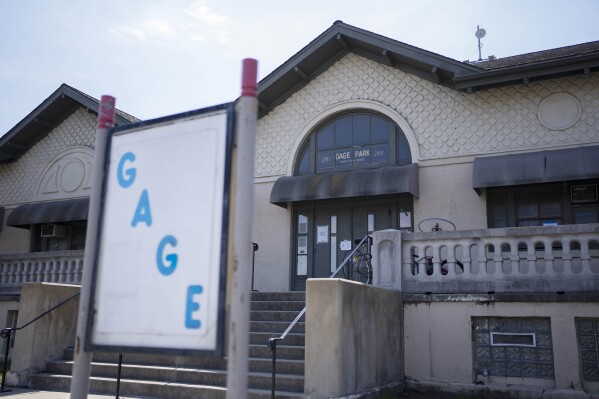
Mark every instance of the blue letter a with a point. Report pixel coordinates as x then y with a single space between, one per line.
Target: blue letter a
142 212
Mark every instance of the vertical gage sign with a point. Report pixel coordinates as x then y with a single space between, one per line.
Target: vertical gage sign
159 269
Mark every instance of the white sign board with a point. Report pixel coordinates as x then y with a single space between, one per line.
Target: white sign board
160 267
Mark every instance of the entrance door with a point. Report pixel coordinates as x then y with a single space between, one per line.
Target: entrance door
325 234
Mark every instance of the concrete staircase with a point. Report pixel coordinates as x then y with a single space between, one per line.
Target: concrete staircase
179 377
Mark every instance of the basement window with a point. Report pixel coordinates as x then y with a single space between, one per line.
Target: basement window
519 347
513 339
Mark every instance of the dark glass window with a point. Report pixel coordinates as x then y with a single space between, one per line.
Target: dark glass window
350 141
539 205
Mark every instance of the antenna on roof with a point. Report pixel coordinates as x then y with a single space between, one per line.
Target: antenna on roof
480 33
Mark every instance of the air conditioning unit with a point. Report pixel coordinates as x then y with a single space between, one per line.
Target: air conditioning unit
584 194
53 231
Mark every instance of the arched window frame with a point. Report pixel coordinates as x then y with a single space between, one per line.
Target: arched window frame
398 145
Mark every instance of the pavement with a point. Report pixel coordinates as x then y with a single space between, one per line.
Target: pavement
24 393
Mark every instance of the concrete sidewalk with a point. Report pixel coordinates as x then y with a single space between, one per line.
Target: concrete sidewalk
23 393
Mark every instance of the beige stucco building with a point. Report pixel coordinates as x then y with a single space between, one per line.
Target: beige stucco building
362 135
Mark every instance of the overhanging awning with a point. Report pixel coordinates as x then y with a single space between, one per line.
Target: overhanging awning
354 183
536 167
49 212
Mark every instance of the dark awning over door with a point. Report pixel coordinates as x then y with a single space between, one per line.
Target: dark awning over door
536 167
49 212
354 183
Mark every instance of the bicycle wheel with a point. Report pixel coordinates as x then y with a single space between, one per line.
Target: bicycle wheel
362 268
444 270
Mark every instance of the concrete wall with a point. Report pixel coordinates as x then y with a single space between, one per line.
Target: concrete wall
353 338
272 232
439 348
49 336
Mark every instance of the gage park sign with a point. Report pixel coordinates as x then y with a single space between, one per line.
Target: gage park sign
161 255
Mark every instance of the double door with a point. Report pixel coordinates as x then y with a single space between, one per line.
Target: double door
326 233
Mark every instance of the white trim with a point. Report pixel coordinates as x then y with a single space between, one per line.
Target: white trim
353 105
533 345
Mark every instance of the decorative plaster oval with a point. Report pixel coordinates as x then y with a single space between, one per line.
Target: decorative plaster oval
67 175
559 111
72 175
359 105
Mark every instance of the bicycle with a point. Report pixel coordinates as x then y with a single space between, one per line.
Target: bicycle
429 265
435 225
361 264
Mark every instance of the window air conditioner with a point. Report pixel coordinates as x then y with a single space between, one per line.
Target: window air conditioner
52 231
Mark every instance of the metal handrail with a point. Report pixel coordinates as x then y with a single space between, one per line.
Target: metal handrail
272 342
6 333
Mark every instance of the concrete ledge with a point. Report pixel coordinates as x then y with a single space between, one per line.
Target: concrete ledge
375 393
504 297
493 391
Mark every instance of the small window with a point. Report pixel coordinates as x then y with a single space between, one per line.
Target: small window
513 339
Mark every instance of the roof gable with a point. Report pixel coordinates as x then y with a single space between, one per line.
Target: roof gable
47 116
341 38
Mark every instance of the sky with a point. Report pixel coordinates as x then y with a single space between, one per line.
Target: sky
161 57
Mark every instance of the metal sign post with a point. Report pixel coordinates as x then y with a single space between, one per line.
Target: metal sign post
83 358
246 114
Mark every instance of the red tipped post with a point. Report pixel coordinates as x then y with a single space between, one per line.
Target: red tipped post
249 85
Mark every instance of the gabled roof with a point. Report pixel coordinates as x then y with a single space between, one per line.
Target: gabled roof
341 38
49 114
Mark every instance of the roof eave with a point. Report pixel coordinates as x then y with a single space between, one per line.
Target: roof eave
13 144
525 73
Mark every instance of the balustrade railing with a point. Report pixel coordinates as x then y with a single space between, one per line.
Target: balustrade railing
525 259
63 267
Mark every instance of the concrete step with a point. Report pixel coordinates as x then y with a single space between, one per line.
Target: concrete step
275 315
259 364
277 327
169 376
279 296
295 339
294 306
150 389
217 378
283 352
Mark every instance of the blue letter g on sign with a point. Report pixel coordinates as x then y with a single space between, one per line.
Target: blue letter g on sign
169 268
127 178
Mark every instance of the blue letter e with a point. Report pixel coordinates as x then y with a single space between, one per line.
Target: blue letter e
192 306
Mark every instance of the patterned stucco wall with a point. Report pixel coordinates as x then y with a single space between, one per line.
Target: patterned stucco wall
446 123
18 179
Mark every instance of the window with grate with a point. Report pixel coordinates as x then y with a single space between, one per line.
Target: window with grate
587 331
513 346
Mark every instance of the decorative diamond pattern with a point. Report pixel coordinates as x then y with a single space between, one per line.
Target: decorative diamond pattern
18 179
445 122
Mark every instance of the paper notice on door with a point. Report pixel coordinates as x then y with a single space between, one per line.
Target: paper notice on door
322 234
345 245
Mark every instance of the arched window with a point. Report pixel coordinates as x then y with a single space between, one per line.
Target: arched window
357 140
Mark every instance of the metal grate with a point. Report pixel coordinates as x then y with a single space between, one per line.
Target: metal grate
513 346
587 331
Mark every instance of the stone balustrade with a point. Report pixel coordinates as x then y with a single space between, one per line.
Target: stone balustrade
63 267
523 259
